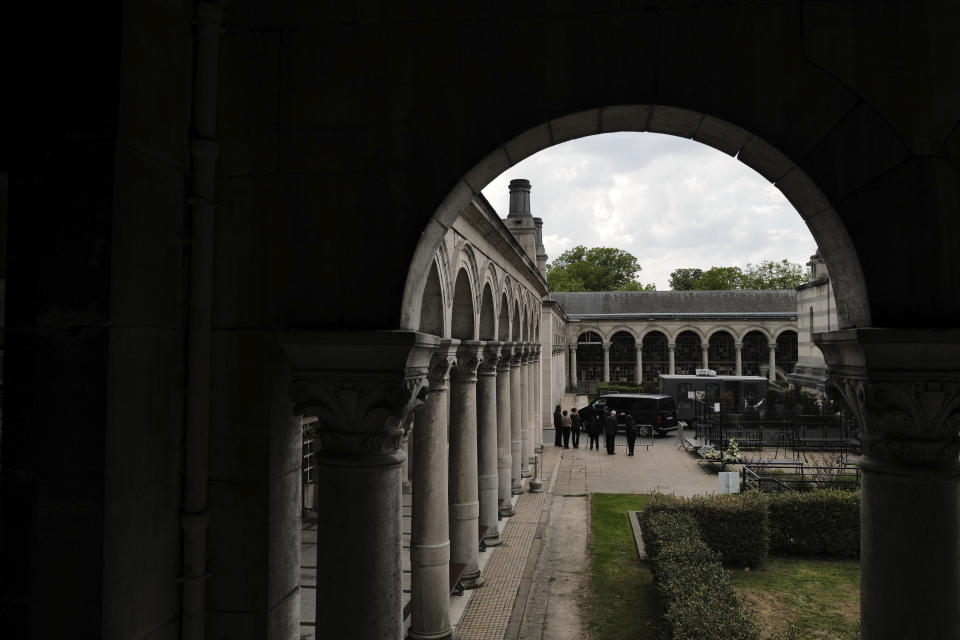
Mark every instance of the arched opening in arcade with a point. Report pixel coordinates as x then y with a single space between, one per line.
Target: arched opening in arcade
589 363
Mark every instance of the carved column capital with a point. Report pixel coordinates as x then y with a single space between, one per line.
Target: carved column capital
443 359
506 356
519 352
606 345
772 346
903 387
671 346
469 357
491 358
361 387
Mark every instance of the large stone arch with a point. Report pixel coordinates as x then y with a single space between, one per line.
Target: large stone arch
623 354
687 327
720 327
651 328
827 228
754 327
626 329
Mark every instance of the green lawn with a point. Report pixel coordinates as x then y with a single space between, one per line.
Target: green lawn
812 599
624 604
820 598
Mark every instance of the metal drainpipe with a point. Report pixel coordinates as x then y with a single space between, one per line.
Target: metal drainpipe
203 147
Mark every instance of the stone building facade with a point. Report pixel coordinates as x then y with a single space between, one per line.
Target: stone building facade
816 313
634 336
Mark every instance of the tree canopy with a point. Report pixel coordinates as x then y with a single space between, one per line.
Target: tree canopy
768 274
596 269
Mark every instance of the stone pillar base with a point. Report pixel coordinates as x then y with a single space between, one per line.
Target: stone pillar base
508 510
526 474
472 581
406 487
493 539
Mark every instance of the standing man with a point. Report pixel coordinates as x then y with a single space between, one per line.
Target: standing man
575 426
610 431
593 430
557 427
630 426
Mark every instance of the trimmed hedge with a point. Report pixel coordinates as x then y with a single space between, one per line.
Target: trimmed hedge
698 598
819 522
734 525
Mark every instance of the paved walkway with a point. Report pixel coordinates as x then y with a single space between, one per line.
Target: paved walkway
536 582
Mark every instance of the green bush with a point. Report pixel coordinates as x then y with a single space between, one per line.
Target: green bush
819 522
734 525
698 598
616 387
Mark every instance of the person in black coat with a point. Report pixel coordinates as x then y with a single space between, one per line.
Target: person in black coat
593 430
610 431
557 427
630 427
575 426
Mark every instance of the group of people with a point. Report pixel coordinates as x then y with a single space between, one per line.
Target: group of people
568 425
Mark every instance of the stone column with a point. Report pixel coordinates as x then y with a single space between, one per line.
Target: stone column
772 374
504 434
528 456
405 473
739 366
464 498
671 347
606 361
488 479
361 386
516 424
639 375
573 367
705 353
538 400
903 386
430 524
525 410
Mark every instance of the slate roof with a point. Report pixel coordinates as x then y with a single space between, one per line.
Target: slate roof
769 303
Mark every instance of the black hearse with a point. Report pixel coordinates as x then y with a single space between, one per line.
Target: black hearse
653 412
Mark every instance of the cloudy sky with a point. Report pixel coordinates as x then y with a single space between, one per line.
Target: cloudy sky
669 201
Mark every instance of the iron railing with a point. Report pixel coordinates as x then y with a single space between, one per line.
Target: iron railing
790 476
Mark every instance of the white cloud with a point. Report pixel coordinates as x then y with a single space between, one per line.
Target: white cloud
670 201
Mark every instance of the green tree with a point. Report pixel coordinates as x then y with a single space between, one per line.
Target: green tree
720 278
596 269
685 279
770 274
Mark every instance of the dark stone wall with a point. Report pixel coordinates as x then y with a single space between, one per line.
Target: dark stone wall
59 123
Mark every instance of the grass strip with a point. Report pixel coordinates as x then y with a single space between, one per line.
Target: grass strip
623 601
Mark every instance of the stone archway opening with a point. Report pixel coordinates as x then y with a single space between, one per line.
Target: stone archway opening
589 357
755 359
787 352
655 360
688 354
722 353
804 195
623 357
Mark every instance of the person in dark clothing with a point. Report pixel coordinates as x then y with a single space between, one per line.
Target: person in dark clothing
557 427
630 427
565 425
575 426
610 431
593 430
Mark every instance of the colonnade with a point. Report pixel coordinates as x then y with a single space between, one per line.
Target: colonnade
472 442
903 387
671 360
